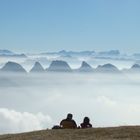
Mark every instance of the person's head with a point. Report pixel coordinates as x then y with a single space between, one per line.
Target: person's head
69 116
86 120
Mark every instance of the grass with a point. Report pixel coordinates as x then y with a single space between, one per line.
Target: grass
110 133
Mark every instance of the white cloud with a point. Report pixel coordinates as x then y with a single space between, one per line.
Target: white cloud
106 100
13 121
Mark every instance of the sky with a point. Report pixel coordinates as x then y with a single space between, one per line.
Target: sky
53 25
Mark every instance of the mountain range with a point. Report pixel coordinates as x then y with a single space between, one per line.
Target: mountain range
7 53
111 54
62 66
103 54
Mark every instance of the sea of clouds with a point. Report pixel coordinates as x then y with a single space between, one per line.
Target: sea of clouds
36 101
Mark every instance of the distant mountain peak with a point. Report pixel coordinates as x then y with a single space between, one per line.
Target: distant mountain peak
135 66
37 68
85 64
111 52
13 67
59 66
62 51
108 65
6 52
107 68
85 67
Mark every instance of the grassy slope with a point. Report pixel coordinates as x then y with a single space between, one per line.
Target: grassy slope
112 133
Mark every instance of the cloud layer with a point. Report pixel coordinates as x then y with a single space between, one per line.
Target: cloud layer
13 121
109 100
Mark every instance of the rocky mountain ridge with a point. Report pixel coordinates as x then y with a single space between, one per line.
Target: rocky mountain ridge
63 66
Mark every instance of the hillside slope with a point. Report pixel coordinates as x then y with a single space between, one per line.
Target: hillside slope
112 133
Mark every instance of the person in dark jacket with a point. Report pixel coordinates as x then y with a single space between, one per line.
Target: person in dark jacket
68 123
86 123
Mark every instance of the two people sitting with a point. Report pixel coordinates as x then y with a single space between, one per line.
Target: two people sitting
69 123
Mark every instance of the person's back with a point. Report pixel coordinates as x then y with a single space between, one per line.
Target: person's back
86 123
68 123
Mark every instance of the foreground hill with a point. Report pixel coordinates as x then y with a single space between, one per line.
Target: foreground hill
112 133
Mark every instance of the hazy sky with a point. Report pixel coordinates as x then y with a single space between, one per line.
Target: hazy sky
52 25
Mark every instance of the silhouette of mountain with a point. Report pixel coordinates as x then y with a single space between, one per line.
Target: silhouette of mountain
6 52
14 55
37 68
80 53
13 67
85 67
109 53
62 66
19 55
135 68
107 68
70 53
59 66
